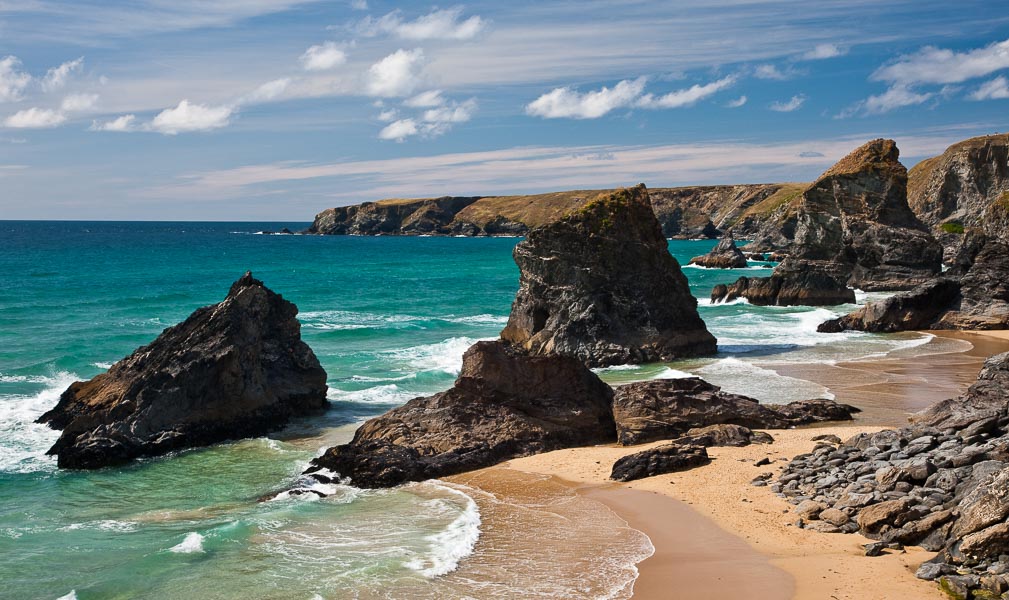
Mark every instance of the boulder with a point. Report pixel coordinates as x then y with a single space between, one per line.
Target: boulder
919 308
232 370
504 404
668 458
723 434
668 408
725 255
600 285
793 282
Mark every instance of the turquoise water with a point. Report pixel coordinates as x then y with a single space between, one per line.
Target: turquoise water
389 319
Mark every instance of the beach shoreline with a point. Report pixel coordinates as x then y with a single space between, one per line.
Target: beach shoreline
717 535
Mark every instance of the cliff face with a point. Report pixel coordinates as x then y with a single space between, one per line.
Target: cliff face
956 190
600 285
685 213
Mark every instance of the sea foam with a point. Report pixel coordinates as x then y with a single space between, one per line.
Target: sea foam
23 443
455 542
191 544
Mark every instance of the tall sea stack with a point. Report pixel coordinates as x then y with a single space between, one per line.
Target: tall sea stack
599 284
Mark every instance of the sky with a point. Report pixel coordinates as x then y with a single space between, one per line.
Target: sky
266 110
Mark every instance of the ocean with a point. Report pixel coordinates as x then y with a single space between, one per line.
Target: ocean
389 318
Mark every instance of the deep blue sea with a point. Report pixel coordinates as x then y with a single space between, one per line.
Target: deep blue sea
389 318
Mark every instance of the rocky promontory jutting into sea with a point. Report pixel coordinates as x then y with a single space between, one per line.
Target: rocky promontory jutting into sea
233 370
597 287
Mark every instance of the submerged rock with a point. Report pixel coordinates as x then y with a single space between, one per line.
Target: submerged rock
600 285
232 370
725 255
669 408
503 405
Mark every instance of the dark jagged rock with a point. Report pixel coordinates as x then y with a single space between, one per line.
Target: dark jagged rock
941 483
668 458
503 405
919 308
669 408
790 284
232 370
600 285
723 434
853 225
973 294
953 192
725 255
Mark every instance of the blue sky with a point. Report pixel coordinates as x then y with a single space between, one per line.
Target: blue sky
276 109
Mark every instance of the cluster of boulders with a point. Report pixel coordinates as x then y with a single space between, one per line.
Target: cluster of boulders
941 483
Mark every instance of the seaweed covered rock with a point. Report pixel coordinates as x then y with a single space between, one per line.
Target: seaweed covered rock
669 408
232 370
599 284
503 405
725 255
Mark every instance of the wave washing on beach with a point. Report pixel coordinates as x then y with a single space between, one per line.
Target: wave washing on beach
389 321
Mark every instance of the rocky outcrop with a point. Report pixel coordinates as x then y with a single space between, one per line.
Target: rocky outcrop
232 370
391 217
973 294
952 192
940 483
854 225
920 308
600 285
725 255
706 211
665 409
503 405
668 458
793 283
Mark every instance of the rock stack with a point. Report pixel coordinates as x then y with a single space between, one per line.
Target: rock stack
232 370
599 284
725 255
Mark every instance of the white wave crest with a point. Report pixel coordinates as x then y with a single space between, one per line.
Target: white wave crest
379 394
102 365
445 356
191 544
71 596
671 373
454 543
23 443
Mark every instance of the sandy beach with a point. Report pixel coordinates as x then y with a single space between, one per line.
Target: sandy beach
715 535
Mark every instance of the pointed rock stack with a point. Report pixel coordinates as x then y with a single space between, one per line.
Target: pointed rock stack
232 370
725 255
600 285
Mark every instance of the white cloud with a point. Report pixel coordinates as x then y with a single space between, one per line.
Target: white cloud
455 113
191 117
437 25
895 97
996 89
686 97
399 130
12 81
737 102
794 103
396 74
939 65
822 51
78 102
57 77
769 71
120 124
359 4
323 57
266 92
426 99
565 102
387 116
35 118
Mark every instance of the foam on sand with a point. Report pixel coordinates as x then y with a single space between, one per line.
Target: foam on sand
455 542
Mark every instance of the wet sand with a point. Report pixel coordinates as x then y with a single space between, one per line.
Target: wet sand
759 553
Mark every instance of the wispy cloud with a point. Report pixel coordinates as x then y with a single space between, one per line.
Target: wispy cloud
399 130
35 118
776 73
740 101
56 77
996 89
13 81
122 124
445 24
566 102
792 104
940 65
824 51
